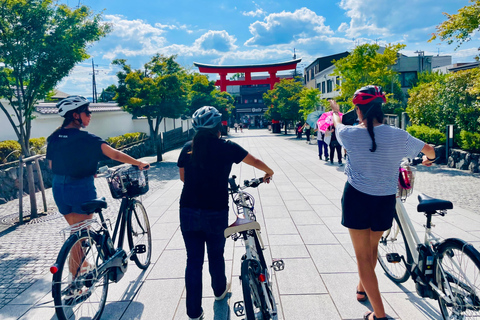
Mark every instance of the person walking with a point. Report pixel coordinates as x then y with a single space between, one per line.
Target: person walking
204 166
375 152
334 146
307 132
322 145
299 130
73 156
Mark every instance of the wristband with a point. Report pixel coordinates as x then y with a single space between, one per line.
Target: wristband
431 159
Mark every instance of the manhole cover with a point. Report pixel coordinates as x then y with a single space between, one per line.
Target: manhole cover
13 219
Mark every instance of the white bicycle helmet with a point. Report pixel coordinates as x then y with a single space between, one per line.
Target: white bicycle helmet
71 103
206 118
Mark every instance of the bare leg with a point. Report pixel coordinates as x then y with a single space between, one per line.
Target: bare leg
76 256
365 243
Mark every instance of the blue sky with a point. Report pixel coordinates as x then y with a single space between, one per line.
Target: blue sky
228 32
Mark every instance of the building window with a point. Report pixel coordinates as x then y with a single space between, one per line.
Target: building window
329 85
323 86
408 79
312 74
337 81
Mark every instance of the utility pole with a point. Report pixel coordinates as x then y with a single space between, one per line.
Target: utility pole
94 84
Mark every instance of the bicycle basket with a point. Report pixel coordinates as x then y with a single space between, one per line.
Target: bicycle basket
135 182
406 179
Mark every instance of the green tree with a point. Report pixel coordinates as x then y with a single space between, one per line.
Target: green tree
447 99
459 27
365 66
200 92
157 92
309 100
284 101
40 43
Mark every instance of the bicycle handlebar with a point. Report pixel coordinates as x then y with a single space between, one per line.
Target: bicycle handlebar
253 183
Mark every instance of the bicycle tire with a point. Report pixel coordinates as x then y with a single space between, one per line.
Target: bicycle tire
139 233
391 242
458 277
253 298
84 297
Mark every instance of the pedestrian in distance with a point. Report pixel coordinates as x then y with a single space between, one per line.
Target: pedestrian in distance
73 156
306 128
375 152
322 145
204 166
299 130
236 127
334 146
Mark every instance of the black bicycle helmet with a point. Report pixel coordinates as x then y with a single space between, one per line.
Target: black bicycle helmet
206 118
368 94
71 103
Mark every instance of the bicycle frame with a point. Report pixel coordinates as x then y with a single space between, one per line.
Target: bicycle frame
413 240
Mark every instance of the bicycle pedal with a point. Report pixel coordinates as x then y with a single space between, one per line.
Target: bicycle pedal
239 309
393 258
278 265
141 248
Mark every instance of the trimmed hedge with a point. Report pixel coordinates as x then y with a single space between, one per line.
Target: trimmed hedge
7 147
427 134
126 139
469 141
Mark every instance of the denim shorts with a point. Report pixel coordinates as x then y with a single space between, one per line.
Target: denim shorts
70 193
364 211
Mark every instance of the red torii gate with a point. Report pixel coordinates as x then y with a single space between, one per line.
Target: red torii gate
272 70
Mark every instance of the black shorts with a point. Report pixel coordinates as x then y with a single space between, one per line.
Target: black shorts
364 211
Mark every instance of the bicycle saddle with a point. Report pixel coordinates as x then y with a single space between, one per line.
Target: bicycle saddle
93 205
241 225
429 204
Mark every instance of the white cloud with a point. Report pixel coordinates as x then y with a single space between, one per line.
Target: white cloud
257 13
132 38
216 40
362 15
287 27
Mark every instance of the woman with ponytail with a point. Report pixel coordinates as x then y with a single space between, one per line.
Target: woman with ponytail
204 165
375 152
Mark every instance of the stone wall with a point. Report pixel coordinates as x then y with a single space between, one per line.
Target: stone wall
463 160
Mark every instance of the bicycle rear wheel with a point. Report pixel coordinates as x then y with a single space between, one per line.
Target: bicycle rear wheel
253 298
139 235
458 277
78 291
393 241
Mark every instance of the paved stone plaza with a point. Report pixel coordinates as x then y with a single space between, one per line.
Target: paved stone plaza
300 217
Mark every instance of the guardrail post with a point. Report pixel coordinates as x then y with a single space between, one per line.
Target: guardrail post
449 140
20 189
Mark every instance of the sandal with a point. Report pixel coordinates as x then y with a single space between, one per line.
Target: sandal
362 293
367 315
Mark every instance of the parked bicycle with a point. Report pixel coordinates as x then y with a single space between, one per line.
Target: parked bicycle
258 300
445 270
88 260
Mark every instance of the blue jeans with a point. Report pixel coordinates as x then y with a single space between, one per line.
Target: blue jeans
70 193
322 144
199 228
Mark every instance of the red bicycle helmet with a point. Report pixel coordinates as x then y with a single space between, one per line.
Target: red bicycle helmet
368 94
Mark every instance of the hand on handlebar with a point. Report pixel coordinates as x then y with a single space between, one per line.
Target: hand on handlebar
144 165
427 162
267 177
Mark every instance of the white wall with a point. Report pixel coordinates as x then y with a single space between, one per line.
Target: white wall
103 124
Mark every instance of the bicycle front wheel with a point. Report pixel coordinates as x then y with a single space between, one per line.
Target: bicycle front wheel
458 277
139 235
393 241
78 290
253 298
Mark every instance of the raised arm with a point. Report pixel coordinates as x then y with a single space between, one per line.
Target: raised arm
259 164
114 154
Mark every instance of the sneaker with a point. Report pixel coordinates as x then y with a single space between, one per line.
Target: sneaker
340 164
227 289
199 318
73 295
320 157
326 159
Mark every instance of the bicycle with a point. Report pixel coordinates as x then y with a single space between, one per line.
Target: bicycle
259 302
88 260
445 270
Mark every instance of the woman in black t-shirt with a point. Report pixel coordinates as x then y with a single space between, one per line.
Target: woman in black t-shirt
73 157
204 165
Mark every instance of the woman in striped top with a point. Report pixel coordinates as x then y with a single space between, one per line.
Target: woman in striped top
375 152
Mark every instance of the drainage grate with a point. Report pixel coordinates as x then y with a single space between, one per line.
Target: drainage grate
13 219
